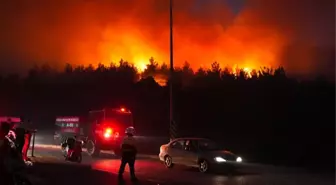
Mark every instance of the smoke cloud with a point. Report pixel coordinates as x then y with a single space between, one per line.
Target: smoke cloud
298 35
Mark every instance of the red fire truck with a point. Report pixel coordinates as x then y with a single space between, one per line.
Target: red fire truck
99 131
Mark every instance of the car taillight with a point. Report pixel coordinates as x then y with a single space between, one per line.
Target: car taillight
163 148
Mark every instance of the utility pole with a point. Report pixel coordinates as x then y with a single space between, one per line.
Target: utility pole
172 126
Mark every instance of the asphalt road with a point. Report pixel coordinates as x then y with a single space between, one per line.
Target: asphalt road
150 171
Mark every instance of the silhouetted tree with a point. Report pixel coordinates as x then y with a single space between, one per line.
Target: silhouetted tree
68 68
201 72
151 68
215 68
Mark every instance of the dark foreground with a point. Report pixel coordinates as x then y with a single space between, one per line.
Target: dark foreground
57 172
50 169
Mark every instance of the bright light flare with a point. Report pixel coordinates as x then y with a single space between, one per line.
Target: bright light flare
109 130
239 159
141 67
246 69
220 159
248 72
141 64
108 133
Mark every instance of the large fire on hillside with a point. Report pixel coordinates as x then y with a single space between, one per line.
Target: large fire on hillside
260 33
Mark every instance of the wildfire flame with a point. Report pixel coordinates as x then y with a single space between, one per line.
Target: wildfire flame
92 32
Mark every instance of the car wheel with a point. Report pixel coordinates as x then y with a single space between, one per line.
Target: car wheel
168 161
203 166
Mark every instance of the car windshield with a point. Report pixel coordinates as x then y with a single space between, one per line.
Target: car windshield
208 145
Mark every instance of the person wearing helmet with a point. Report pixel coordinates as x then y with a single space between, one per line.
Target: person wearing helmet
128 153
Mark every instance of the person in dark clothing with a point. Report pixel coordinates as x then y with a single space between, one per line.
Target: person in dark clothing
74 149
20 138
70 144
4 129
128 153
23 138
4 151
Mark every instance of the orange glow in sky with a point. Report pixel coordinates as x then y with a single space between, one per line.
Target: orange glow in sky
263 33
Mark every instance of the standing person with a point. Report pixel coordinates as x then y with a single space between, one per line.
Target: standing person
128 153
4 150
23 132
27 139
4 129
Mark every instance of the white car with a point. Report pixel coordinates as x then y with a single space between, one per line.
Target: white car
201 153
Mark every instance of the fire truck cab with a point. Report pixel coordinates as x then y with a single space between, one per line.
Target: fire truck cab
101 130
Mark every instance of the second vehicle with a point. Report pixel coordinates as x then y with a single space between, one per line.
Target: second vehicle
201 153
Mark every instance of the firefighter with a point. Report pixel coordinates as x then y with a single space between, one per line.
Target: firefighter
23 139
128 153
27 139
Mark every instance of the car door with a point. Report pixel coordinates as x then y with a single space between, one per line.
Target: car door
176 151
190 154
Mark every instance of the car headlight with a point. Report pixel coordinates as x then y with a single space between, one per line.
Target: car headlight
239 159
220 159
